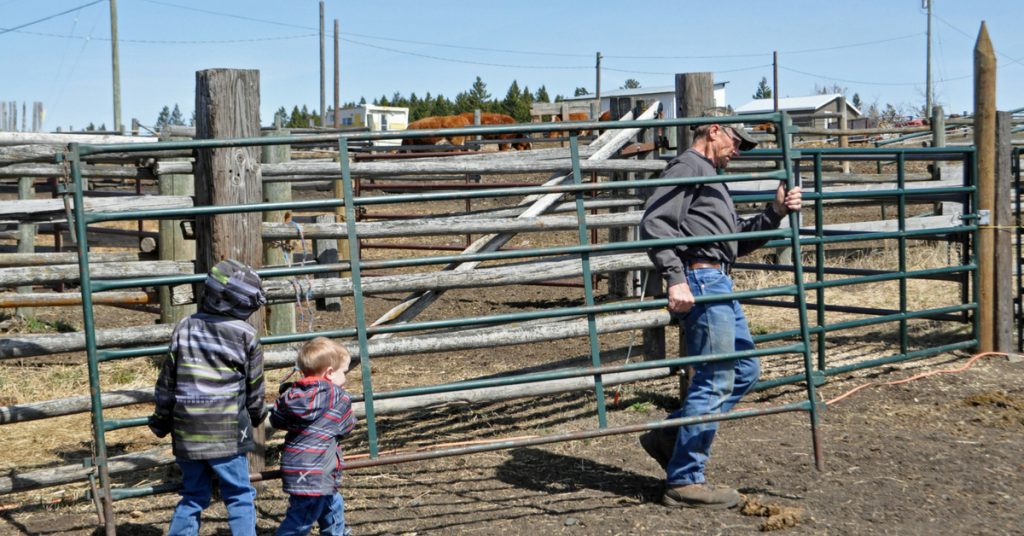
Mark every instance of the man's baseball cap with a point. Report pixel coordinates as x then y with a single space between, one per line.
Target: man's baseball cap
746 141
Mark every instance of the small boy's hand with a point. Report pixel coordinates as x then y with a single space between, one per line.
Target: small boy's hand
159 427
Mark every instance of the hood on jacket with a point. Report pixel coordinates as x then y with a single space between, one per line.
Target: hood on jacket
233 289
306 400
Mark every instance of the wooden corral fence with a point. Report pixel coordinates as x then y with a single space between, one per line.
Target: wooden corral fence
268 180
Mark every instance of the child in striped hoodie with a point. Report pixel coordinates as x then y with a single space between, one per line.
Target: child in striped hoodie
316 412
209 397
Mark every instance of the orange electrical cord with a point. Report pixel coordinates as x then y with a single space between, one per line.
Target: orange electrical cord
966 366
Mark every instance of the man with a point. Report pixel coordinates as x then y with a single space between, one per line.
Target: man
710 328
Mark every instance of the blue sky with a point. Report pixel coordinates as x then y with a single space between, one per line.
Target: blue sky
875 48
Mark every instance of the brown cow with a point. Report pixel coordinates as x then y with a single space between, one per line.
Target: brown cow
577 116
437 121
498 119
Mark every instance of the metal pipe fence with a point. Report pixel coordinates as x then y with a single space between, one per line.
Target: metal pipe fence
790 342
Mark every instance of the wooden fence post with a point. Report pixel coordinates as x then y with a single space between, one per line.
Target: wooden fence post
985 142
695 93
844 121
1003 223
172 245
326 251
228 106
26 234
280 317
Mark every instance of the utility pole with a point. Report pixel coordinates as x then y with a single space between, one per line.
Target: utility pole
323 87
115 65
337 79
598 68
775 80
928 76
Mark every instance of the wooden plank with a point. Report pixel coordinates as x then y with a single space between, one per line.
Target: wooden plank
41 138
52 210
228 106
68 273
453 166
438 282
88 171
447 226
68 257
54 299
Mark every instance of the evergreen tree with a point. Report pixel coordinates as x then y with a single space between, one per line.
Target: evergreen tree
442 106
542 95
525 106
631 83
580 91
856 101
463 103
92 126
295 118
176 117
478 96
764 91
382 101
511 101
161 120
362 100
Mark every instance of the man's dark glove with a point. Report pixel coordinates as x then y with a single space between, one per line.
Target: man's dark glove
284 387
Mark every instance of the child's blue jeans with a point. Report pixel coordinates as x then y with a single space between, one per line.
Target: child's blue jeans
197 487
328 511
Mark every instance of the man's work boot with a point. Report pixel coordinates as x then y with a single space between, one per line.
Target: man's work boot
701 496
658 446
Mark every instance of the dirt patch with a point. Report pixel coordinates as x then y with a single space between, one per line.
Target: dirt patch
999 409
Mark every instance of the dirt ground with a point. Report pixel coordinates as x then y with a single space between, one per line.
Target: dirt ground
938 455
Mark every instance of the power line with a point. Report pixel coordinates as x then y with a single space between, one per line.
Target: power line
463 47
176 41
229 15
968 36
37 21
468 62
862 82
630 71
756 54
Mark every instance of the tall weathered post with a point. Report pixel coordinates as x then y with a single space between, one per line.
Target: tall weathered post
172 244
228 106
844 122
1003 228
26 234
695 94
985 143
280 317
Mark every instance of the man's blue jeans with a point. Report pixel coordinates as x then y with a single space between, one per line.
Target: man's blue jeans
328 511
197 487
710 328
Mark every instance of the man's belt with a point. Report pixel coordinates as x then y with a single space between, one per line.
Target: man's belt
714 265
